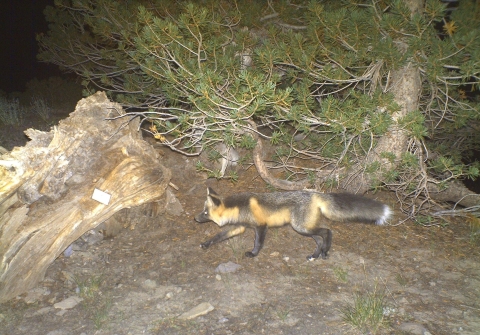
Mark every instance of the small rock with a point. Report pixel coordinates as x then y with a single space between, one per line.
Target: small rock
68 303
388 311
413 328
173 206
57 332
68 252
218 277
228 267
42 311
35 294
199 310
149 284
92 237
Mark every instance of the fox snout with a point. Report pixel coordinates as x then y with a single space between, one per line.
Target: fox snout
202 217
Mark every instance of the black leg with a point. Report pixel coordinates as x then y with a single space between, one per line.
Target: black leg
226 234
323 244
260 233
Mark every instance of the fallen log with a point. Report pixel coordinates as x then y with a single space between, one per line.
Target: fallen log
46 187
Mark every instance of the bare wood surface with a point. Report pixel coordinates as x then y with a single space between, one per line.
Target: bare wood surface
46 187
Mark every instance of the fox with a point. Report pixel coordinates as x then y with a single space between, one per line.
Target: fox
309 213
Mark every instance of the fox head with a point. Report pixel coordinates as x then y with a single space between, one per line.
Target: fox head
212 203
218 211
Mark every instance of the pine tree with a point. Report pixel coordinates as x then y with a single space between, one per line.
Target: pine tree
375 93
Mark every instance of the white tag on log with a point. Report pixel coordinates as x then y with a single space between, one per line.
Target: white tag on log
101 196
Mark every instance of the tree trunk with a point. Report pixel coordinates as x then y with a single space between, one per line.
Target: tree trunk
406 87
46 187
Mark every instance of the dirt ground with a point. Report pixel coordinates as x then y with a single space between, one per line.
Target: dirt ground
143 280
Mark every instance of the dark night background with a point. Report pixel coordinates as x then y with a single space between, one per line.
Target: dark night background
20 21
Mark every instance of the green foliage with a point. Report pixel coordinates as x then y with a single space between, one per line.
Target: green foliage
401 279
322 70
391 176
366 312
40 107
247 142
452 169
200 167
428 221
11 113
96 304
409 160
414 123
340 274
474 235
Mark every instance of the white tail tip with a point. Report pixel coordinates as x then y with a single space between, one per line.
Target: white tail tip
386 215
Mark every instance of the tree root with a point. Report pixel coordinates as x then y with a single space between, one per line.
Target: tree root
263 170
456 192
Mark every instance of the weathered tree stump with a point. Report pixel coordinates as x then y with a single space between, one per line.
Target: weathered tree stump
46 187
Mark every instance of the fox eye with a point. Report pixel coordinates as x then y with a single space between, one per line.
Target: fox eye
206 213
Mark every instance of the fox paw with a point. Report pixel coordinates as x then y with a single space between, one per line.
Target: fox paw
250 254
312 257
205 245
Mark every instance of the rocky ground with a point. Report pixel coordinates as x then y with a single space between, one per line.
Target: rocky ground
155 279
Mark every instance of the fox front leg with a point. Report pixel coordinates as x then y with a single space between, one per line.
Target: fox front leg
224 235
260 233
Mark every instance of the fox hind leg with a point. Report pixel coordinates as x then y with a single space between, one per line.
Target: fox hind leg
260 233
323 238
224 235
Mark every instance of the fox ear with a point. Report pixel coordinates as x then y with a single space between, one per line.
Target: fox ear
210 191
213 199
